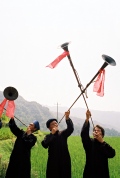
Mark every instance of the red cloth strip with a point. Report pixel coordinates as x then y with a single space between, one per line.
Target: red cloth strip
10 109
99 83
2 105
58 59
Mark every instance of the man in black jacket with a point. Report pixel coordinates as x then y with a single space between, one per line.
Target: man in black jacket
97 151
20 164
59 161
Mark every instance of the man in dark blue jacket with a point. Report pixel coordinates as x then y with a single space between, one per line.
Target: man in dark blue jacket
97 151
20 164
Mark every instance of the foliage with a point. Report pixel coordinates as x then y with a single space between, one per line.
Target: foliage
5 133
3 167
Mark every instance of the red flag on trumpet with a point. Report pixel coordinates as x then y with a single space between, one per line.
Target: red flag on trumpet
10 109
2 105
99 83
57 60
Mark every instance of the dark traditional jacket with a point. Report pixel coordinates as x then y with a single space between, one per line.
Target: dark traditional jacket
97 155
59 161
19 164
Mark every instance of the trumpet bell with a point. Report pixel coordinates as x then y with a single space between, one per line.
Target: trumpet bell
64 46
10 93
109 60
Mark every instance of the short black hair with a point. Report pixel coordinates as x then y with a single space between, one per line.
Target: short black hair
49 121
101 128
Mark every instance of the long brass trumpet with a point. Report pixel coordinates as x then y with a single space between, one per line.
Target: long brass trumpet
64 46
10 93
108 61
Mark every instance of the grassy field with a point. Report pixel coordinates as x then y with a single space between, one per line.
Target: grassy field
39 155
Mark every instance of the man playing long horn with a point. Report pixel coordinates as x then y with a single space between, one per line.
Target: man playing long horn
59 161
97 151
19 164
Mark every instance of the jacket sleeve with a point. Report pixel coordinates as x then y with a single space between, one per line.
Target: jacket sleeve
29 140
14 129
47 140
107 150
86 140
70 128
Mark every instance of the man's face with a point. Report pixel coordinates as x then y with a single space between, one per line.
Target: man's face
97 132
32 127
53 124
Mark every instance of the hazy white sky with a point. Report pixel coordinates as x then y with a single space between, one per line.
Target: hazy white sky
32 30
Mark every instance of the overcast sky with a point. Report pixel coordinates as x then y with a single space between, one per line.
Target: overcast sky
32 30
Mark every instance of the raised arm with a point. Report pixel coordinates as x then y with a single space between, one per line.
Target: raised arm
70 127
14 129
85 131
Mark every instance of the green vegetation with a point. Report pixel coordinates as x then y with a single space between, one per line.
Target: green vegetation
39 155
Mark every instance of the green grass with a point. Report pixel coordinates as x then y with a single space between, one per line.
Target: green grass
78 156
5 133
39 155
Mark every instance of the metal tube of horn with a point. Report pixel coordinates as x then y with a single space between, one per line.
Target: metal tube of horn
18 120
10 93
108 61
64 46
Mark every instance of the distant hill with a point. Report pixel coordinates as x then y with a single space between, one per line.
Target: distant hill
29 111
78 123
108 119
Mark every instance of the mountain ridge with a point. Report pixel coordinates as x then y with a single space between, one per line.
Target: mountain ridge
27 111
103 117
